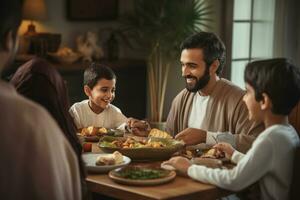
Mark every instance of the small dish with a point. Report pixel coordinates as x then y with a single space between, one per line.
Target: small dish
90 163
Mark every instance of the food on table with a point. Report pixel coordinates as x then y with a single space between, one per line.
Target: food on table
87 147
188 154
110 159
212 153
142 149
91 130
95 131
131 142
136 173
102 130
201 150
159 134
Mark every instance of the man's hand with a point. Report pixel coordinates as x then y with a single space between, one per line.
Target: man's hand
181 164
192 136
138 127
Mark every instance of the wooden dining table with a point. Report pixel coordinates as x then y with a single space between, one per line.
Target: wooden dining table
179 188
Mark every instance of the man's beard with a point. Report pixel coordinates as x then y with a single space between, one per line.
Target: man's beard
200 83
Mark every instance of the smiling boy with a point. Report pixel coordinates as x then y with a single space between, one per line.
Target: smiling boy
97 111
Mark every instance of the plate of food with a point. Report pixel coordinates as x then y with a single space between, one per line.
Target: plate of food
93 134
142 176
146 149
203 154
103 162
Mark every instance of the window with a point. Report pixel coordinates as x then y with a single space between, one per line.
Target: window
252 35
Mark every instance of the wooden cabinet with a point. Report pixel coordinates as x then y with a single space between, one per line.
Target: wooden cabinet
130 86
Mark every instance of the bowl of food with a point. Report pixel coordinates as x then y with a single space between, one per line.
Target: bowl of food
133 175
146 149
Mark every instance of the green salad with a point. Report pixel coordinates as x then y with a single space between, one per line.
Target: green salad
142 173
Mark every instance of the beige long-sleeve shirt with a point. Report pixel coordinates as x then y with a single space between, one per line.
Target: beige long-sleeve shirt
226 112
37 162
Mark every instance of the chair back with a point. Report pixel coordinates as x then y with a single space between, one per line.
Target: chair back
294 190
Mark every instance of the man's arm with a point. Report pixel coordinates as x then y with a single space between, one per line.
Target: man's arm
171 122
192 136
245 131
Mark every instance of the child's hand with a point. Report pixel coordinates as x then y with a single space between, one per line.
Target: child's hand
181 164
226 148
138 127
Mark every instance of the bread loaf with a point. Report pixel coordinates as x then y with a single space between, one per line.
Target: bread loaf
159 134
110 159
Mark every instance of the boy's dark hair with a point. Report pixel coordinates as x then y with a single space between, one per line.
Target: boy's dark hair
212 46
10 19
279 79
95 72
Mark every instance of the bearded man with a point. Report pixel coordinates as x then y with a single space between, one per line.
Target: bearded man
210 108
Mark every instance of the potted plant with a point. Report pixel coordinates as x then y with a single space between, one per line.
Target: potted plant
158 26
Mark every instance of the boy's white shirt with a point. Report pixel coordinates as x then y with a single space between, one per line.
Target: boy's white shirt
269 161
111 117
196 117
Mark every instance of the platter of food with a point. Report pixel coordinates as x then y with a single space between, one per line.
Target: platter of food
93 134
141 176
145 149
103 162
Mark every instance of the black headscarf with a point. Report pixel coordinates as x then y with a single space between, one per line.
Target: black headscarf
41 82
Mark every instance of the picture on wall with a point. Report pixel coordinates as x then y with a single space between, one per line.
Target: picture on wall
92 9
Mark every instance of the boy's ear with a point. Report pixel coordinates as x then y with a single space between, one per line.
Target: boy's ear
87 90
214 67
266 102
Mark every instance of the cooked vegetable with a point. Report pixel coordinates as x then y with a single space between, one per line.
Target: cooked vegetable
107 144
142 173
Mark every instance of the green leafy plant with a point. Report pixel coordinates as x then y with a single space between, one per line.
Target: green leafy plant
159 26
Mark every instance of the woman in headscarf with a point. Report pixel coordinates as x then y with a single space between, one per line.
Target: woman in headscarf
41 82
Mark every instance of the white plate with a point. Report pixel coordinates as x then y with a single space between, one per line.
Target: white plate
90 163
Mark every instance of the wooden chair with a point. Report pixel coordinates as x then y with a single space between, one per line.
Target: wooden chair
294 190
294 119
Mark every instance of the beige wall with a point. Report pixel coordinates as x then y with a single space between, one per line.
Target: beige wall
58 23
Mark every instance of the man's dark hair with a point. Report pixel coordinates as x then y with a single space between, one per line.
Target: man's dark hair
95 72
279 79
10 19
212 46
